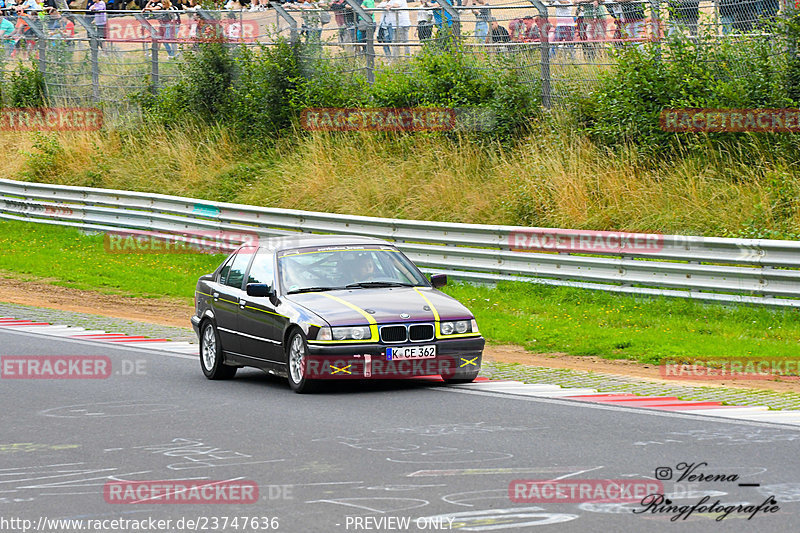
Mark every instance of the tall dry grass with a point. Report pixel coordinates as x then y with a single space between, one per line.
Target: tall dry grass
555 179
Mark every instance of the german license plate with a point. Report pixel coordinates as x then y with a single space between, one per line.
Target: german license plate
411 352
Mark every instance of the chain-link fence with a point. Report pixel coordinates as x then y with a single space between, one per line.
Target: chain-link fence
562 46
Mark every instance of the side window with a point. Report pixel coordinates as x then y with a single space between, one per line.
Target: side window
238 266
223 272
262 270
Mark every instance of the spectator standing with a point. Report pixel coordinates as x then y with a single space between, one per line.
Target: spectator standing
565 26
524 30
483 17
311 27
23 35
440 16
401 21
425 21
497 33
100 21
343 20
592 15
160 10
385 29
6 30
30 5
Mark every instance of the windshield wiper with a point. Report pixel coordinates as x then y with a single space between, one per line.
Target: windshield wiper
370 284
314 289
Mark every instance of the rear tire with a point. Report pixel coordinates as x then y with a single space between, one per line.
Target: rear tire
296 358
211 354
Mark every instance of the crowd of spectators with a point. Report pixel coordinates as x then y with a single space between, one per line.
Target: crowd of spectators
396 21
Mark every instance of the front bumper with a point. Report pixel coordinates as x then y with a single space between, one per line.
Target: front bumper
359 361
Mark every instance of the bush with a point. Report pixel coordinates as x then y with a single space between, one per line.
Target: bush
26 88
203 90
681 73
443 75
260 101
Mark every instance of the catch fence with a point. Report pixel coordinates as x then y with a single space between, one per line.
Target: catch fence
559 48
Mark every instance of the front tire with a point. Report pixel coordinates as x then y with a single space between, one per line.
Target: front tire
296 358
461 375
211 354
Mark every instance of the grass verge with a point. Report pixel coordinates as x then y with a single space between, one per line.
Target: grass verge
548 179
542 319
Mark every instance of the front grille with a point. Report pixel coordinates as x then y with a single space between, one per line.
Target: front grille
420 332
393 334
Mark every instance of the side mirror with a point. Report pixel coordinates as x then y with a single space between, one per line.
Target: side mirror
438 280
260 290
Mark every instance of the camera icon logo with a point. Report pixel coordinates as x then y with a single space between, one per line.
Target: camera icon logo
663 473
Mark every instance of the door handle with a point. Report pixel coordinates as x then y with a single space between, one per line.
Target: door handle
242 303
216 296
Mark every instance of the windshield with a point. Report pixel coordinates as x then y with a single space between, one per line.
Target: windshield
346 267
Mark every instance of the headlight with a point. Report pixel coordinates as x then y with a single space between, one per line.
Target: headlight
459 327
351 333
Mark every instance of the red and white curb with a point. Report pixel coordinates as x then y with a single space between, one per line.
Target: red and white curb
72 332
518 388
661 403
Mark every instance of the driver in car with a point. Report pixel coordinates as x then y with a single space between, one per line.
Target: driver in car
366 268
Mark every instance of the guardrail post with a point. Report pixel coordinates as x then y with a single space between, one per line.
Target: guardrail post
369 48
91 32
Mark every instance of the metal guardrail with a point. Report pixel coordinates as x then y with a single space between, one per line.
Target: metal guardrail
752 271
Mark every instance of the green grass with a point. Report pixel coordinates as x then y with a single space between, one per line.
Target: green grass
582 322
542 319
69 258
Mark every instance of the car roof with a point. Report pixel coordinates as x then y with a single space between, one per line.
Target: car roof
306 240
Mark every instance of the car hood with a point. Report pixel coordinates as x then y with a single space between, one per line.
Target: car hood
385 305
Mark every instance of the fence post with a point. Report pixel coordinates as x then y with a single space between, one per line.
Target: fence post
37 28
154 44
369 47
656 26
544 30
454 16
282 13
91 32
